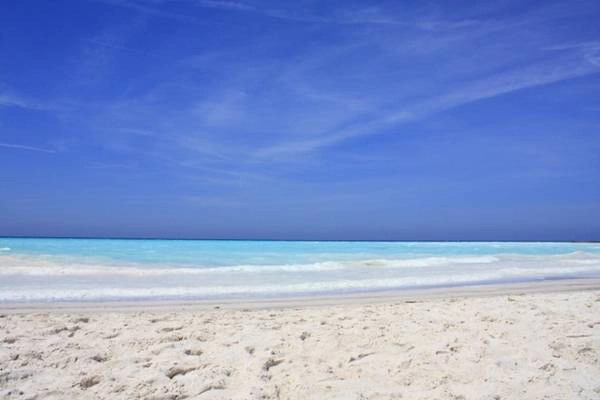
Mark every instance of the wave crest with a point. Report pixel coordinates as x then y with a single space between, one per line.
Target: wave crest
27 265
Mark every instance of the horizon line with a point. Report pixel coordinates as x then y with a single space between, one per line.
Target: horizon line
297 240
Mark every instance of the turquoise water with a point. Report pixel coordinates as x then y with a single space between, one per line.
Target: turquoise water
116 269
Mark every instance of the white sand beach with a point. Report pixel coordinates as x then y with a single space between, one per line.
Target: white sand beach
535 342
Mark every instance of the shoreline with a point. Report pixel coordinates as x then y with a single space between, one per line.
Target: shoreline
526 341
359 298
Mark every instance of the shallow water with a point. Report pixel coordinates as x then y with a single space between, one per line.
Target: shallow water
47 270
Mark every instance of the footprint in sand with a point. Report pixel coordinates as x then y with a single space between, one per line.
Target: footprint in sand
89 381
193 352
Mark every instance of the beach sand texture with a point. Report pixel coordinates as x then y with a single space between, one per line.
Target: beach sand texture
520 346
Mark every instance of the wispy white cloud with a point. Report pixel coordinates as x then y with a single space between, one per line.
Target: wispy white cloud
25 147
116 46
253 105
16 99
139 132
224 110
225 5
496 85
149 7
590 50
365 15
110 166
7 100
357 16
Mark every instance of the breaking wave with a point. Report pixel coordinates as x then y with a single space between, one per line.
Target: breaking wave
290 289
29 277
31 265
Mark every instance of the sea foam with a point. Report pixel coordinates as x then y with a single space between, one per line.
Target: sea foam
86 270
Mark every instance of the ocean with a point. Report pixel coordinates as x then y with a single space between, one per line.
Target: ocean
74 270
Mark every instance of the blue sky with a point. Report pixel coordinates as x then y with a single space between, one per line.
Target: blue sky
304 119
